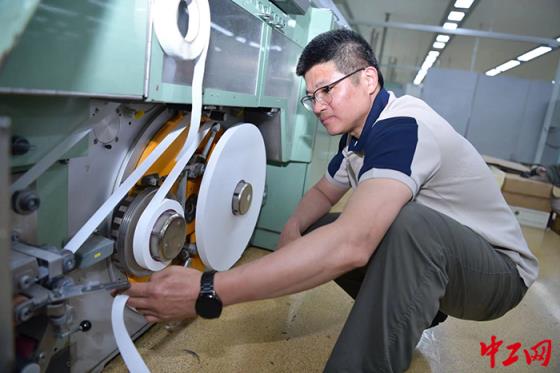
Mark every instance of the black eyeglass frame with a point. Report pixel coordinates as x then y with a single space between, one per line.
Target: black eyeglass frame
311 98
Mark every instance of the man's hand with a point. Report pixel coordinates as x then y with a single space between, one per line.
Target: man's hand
169 295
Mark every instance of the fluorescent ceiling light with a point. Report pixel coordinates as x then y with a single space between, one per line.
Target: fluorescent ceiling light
221 29
492 72
428 62
426 65
456 16
503 67
420 76
464 4
558 39
433 53
450 25
442 38
439 45
539 51
508 65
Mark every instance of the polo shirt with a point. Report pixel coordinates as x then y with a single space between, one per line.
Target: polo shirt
406 140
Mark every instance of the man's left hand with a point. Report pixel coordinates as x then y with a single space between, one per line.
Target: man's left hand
169 295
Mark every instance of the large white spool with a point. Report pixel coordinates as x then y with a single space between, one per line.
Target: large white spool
221 236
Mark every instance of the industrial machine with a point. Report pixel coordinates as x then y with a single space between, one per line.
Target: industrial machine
94 114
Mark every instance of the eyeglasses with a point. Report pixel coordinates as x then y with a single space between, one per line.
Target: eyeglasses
323 94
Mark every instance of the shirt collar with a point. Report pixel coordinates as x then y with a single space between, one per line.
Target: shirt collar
378 105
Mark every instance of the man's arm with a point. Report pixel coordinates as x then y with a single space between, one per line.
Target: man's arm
323 254
316 202
314 259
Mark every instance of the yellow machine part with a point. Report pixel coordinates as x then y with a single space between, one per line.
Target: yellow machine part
165 164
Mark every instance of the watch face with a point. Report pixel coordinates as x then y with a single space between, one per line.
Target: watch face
208 306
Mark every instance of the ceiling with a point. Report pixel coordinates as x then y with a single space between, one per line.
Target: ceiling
405 50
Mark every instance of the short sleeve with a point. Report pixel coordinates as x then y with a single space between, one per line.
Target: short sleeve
398 148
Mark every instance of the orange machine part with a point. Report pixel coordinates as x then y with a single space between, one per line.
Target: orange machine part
165 164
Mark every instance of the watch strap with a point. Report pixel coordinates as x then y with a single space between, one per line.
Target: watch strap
207 282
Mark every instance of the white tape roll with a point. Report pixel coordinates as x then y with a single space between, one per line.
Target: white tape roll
221 236
170 38
144 257
129 353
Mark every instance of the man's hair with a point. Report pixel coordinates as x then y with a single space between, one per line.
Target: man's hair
346 48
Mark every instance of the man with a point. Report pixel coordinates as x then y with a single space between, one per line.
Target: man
425 230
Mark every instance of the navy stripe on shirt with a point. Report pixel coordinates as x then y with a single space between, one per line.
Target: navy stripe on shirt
390 144
336 161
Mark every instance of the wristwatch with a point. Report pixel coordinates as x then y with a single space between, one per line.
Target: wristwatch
208 304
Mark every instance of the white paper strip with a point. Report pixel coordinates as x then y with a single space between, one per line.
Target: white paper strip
87 229
129 353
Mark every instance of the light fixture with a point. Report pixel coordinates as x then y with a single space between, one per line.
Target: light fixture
221 29
539 51
503 67
442 38
428 61
433 53
558 39
426 65
450 25
463 4
438 45
507 65
456 16
420 76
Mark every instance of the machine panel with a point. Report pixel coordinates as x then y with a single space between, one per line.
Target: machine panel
90 95
81 47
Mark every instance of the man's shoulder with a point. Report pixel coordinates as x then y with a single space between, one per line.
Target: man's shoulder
404 106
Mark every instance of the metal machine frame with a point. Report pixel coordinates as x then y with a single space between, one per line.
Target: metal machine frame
90 57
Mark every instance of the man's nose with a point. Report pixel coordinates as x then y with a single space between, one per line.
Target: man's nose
318 106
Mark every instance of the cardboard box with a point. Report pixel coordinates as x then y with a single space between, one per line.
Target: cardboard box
499 174
517 184
556 224
520 191
529 202
506 165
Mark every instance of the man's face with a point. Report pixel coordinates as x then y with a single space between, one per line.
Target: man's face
348 102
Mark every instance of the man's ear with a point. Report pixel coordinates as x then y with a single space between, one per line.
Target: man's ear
372 82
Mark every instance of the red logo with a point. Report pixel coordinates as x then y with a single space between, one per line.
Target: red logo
538 353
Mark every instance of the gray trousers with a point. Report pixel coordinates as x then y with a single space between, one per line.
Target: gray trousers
427 262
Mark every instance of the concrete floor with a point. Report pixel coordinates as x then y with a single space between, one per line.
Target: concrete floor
296 333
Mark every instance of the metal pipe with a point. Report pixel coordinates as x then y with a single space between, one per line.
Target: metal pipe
6 312
475 52
461 31
548 117
54 92
387 16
